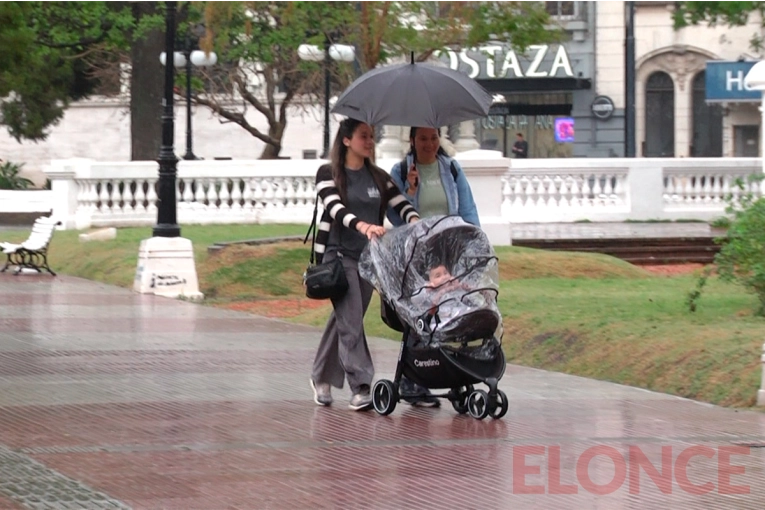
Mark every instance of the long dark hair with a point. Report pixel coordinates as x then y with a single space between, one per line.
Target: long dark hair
337 162
413 132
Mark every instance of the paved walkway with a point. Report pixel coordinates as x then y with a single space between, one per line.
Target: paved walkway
109 399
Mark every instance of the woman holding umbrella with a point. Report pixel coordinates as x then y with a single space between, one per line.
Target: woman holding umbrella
432 181
436 185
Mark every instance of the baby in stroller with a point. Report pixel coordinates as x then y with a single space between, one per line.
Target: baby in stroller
438 281
444 298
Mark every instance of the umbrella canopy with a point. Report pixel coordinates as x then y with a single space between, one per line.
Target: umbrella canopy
420 95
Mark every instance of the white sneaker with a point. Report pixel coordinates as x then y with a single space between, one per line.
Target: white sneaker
362 400
322 393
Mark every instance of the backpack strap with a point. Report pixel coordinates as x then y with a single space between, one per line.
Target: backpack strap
453 168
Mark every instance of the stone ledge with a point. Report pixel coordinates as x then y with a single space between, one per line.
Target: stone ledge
218 247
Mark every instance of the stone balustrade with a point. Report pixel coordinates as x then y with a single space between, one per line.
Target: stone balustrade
617 189
87 193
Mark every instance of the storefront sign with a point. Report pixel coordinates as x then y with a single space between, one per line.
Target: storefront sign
498 61
602 107
725 82
522 122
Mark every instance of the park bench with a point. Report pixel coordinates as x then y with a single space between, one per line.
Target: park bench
32 253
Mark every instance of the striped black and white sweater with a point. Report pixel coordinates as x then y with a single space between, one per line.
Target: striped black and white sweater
335 210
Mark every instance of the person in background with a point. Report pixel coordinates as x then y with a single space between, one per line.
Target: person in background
355 194
521 147
436 185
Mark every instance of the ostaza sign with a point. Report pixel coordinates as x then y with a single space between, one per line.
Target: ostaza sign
498 61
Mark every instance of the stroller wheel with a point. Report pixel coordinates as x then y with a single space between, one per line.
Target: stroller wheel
500 409
478 404
459 397
384 397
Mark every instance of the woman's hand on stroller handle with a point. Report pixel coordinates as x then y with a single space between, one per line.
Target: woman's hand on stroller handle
369 230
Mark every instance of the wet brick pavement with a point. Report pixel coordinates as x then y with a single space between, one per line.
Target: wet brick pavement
110 399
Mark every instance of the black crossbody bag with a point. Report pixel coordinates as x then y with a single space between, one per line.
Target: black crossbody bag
327 280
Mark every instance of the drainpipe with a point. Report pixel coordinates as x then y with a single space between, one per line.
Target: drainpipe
629 81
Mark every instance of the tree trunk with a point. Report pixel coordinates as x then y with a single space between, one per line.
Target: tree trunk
275 131
146 86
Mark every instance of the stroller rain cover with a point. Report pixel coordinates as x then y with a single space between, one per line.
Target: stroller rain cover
440 275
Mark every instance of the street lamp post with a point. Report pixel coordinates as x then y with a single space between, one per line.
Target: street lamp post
166 260
167 223
330 52
185 59
629 81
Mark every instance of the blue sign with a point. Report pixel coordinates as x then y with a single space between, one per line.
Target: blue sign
725 81
564 130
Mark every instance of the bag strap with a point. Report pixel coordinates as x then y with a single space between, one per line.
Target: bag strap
312 229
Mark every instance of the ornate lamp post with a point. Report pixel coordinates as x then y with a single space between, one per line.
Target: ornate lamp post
167 223
186 59
330 52
166 260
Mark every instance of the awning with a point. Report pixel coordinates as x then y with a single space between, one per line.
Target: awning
557 103
512 85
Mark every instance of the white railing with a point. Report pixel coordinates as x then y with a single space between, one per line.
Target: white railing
565 190
91 194
704 186
87 193
552 195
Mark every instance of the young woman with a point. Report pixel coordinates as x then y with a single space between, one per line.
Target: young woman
432 181
355 194
436 185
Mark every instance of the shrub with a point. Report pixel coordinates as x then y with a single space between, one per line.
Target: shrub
10 176
742 253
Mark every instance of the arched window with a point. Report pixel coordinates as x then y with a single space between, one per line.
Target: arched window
707 122
659 116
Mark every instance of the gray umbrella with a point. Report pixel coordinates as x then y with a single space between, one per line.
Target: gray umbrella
420 95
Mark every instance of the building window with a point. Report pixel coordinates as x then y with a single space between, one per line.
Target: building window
659 116
563 10
707 122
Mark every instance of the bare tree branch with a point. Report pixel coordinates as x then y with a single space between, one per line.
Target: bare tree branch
250 98
237 118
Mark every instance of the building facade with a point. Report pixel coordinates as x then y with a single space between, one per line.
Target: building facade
678 113
548 94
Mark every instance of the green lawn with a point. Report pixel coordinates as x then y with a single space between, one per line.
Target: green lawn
584 314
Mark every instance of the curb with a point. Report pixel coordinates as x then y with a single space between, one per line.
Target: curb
218 247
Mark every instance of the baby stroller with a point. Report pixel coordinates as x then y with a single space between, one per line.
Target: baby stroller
438 280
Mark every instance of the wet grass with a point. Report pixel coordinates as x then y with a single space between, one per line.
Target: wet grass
638 332
584 314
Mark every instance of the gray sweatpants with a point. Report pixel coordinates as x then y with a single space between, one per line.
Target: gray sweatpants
343 350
